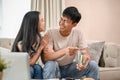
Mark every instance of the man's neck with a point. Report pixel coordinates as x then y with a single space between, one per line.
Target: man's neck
65 33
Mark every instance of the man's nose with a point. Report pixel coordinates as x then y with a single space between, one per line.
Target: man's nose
61 22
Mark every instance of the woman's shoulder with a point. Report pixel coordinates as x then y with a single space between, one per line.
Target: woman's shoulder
19 45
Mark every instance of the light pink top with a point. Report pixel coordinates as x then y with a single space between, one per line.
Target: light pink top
57 41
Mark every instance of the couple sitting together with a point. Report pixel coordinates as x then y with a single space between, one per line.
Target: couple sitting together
57 48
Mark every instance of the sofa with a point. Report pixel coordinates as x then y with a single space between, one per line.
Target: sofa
106 54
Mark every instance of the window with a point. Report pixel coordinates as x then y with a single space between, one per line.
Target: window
50 9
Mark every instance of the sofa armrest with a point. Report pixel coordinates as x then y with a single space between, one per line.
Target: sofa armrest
109 73
4 50
111 55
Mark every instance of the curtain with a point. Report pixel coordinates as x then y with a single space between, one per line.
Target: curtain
50 9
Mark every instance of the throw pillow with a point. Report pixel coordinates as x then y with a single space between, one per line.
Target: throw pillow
111 54
95 50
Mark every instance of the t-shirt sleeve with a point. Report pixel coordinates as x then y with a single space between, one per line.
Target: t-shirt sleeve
49 33
81 39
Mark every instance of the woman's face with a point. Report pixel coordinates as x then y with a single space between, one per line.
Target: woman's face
41 24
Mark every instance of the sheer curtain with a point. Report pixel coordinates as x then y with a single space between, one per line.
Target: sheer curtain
50 9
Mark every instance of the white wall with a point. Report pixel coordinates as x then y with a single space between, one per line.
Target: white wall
13 12
0 13
100 18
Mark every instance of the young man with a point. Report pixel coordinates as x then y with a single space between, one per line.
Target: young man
61 50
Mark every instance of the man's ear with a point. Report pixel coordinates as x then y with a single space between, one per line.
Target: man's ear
75 24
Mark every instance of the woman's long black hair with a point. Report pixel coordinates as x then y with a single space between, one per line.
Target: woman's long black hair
28 32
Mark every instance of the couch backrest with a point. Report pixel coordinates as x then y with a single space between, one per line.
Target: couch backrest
95 49
111 54
6 42
6 45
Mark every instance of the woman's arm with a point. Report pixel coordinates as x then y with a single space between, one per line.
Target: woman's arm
36 55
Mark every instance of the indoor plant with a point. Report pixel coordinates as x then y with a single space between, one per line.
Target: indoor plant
3 65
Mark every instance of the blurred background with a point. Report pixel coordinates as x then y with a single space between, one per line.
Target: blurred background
100 18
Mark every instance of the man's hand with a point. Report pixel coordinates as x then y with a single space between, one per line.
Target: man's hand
85 61
80 67
71 50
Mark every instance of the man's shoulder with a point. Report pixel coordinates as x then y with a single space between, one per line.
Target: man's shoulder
77 30
52 31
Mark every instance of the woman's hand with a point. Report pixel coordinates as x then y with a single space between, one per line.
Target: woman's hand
44 41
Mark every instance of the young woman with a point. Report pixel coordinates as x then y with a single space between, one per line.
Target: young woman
29 40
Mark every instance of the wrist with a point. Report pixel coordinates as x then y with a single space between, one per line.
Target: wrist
67 51
39 49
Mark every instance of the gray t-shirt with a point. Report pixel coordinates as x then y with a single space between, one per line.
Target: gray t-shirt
57 41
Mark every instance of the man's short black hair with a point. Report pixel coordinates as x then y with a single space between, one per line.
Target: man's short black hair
72 13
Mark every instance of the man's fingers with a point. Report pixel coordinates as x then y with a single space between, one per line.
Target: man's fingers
80 67
85 60
76 48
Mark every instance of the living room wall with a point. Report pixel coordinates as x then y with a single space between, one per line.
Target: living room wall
100 19
12 12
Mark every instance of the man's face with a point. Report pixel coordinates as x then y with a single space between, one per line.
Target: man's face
66 24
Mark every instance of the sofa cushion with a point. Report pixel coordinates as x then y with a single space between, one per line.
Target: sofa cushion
6 42
111 54
95 50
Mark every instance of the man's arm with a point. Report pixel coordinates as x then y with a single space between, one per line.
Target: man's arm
50 54
86 53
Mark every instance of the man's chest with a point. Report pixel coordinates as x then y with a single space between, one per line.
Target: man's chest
65 42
